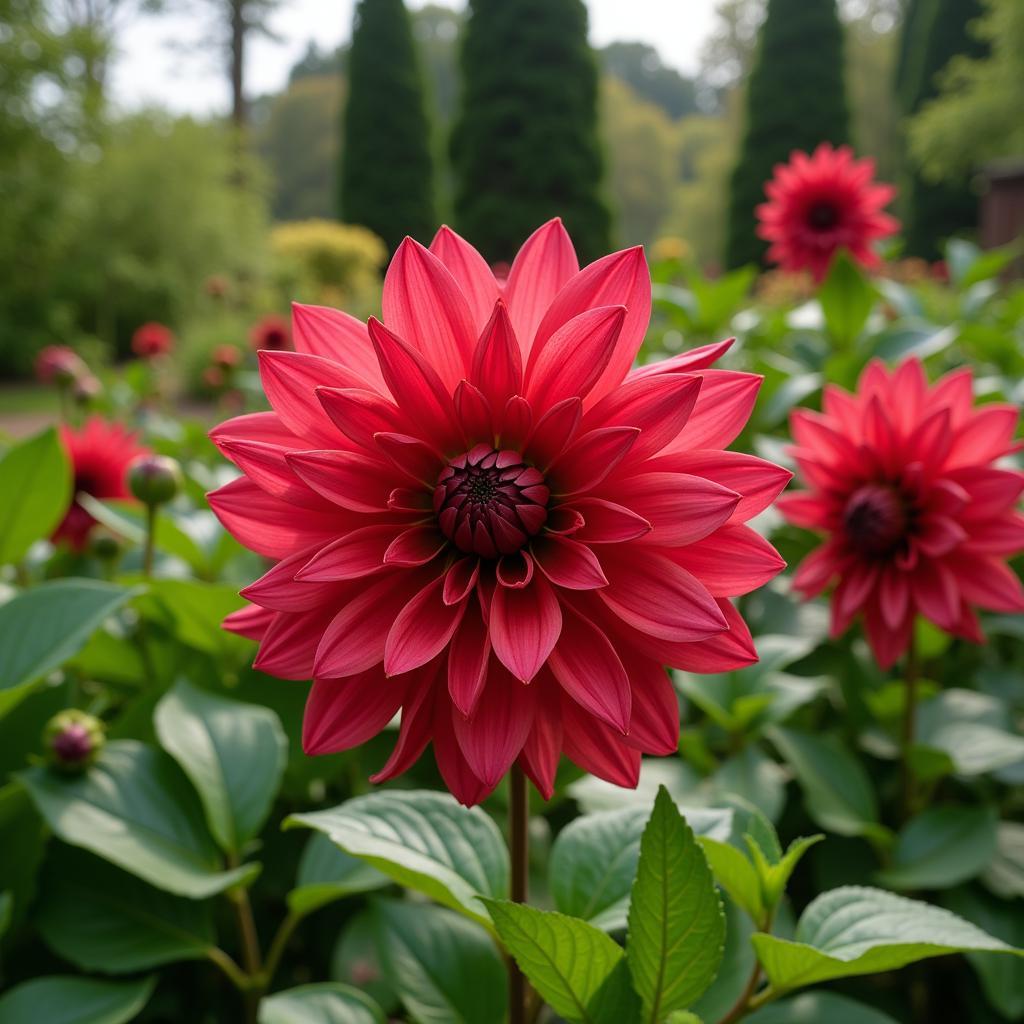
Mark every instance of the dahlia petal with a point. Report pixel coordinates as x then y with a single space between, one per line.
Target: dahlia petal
936 593
590 458
524 626
986 582
470 271
726 652
564 521
938 535
857 583
252 621
412 456
954 391
656 596
620 279
462 782
806 509
416 725
543 747
288 648
987 435
515 423
343 713
893 597
553 432
460 580
416 546
721 411
493 736
474 414
658 406
358 553
359 414
515 570
887 642
681 508
1003 535
256 426
812 431
335 335
699 358
734 560
567 563
597 748
279 589
589 670
654 722
990 491
467 663
542 266
605 522
352 481
266 466
422 630
569 361
423 304
497 361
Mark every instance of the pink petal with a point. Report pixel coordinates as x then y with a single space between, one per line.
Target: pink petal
279 589
411 455
359 553
597 748
515 423
470 270
251 622
887 643
355 482
359 414
806 509
590 458
543 747
460 780
467 662
319 331
567 563
460 580
266 465
680 508
474 414
893 597
344 713
497 363
288 648
416 725
695 359
732 561
988 583
987 434
654 722
936 593
553 432
725 652
722 409
421 630
524 626
256 426
423 304
415 546
604 522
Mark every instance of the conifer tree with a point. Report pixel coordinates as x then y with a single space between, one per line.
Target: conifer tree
387 174
795 99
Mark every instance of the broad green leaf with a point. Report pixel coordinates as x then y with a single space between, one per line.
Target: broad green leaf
846 298
974 729
35 491
445 968
198 609
593 861
855 930
357 960
676 923
755 778
836 786
21 851
233 753
327 874
135 809
424 840
61 999
961 255
103 919
737 963
594 794
324 1003
736 875
577 969
1005 873
941 847
817 1008
6 910
43 627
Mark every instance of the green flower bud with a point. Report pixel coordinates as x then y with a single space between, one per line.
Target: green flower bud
154 479
73 740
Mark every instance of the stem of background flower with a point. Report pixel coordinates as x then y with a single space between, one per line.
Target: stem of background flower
742 1007
147 551
237 976
519 852
910 695
251 958
278 944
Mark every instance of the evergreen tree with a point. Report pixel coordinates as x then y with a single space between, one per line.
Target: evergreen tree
935 210
795 99
387 175
525 146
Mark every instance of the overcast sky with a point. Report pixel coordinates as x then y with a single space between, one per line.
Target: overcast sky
161 61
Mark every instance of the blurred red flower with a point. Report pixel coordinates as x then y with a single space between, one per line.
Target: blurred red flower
903 481
151 340
59 364
271 332
821 203
100 453
481 517
226 357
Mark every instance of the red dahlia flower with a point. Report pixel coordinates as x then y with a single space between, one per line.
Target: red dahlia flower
271 332
821 203
152 340
59 364
100 454
919 519
479 516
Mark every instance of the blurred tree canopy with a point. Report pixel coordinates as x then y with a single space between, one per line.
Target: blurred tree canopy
640 67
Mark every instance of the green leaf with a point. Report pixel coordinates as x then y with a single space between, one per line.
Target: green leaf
21 852
755 778
35 491
1005 873
197 610
737 963
846 298
60 999
577 969
325 1003
942 847
775 877
135 809
676 924
837 788
42 628
736 875
974 729
854 930
817 1007
356 960
445 968
6 910
327 874
423 840
233 753
103 919
593 861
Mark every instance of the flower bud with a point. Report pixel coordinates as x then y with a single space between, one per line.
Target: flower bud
104 544
154 479
73 740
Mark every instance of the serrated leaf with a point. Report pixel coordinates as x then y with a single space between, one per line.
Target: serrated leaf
135 809
676 923
323 1003
423 840
775 877
233 753
855 930
577 969
35 492
445 968
326 874
736 875
60 999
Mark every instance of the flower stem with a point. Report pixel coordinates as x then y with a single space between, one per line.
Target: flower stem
910 696
278 944
519 850
742 1005
147 551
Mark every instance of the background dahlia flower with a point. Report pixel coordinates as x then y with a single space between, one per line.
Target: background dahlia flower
151 340
271 331
821 203
100 454
480 516
59 364
903 480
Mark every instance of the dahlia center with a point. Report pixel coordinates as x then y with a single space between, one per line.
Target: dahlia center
822 216
876 519
489 502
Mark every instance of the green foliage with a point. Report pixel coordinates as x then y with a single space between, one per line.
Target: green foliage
639 66
387 176
311 1004
525 146
70 1000
795 100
